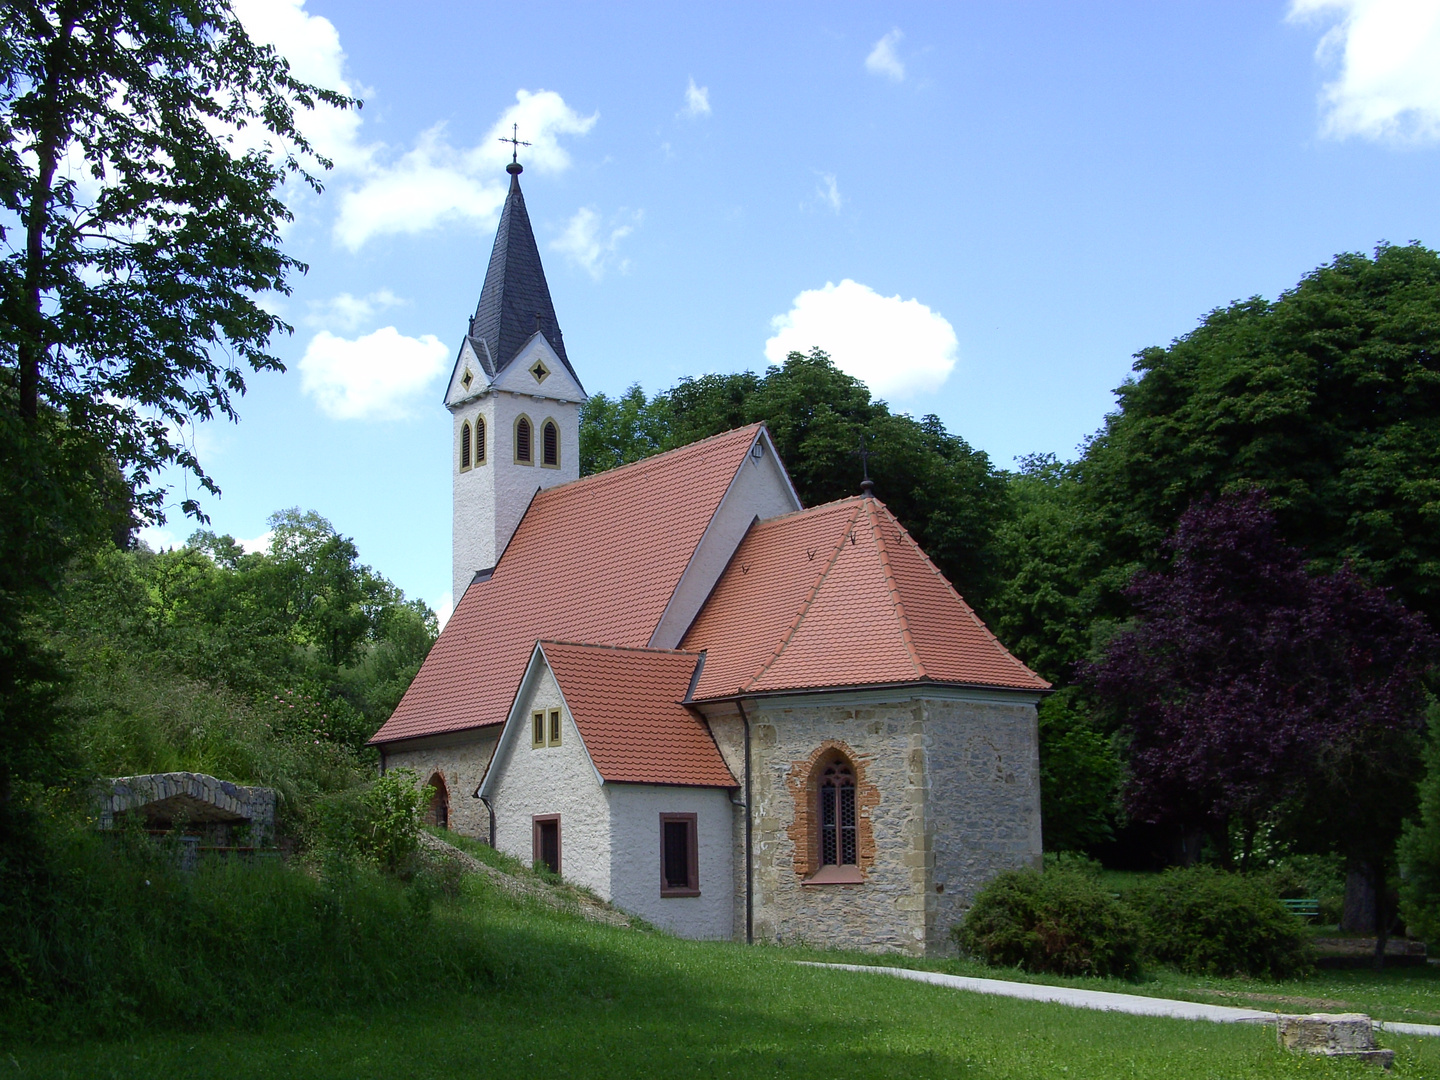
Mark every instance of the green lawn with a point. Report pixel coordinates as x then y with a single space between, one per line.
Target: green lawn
570 998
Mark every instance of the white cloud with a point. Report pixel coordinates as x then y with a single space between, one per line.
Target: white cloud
312 46
894 346
385 190
828 194
592 244
348 313
375 377
436 182
261 543
697 100
882 59
1388 54
158 538
444 608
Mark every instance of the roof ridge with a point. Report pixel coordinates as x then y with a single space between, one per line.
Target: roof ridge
812 509
805 604
616 648
894 589
652 458
969 610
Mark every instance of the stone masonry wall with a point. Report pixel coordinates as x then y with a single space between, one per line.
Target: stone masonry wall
947 795
462 763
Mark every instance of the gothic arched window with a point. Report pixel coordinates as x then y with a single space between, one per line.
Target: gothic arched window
550 444
523 450
465 445
479 440
838 846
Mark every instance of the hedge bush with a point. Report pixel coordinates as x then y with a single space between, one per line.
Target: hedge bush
1062 921
1205 921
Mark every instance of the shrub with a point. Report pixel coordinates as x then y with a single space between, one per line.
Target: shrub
378 821
1205 921
1062 921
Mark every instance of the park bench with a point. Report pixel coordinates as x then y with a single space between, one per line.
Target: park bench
1307 908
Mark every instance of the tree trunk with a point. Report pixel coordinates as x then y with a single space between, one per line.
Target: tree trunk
1359 913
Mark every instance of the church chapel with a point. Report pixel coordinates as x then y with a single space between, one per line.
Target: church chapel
730 714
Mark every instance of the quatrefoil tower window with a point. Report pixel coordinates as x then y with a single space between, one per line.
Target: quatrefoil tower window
467 379
539 370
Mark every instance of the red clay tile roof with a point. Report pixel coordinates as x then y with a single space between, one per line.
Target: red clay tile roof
594 560
626 703
841 595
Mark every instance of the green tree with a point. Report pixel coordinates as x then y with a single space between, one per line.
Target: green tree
143 147
944 491
1328 399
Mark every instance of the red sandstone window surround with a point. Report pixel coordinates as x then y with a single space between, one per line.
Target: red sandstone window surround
679 855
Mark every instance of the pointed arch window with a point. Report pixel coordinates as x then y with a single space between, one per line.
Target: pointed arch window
838 839
465 445
524 437
479 440
550 445
438 813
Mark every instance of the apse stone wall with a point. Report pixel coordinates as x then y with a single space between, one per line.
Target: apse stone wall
948 796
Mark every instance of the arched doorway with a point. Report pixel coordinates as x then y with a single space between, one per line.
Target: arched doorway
439 812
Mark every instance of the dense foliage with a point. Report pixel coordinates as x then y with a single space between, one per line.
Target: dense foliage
944 491
1205 921
1062 921
144 145
1246 678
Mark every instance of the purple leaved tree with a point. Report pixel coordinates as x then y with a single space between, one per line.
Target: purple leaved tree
1250 686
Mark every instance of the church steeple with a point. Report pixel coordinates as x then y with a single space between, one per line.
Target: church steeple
515 300
513 397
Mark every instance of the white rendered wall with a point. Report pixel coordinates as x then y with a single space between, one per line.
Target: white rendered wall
490 499
635 811
473 494
552 780
760 489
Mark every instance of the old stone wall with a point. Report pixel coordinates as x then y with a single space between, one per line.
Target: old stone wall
461 759
947 796
984 802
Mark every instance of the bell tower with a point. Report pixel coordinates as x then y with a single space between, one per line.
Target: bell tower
513 397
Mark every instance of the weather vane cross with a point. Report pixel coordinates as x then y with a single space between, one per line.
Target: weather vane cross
515 143
867 486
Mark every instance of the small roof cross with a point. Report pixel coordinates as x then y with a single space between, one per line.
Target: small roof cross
515 143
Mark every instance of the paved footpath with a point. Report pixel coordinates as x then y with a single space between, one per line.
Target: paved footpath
1103 1000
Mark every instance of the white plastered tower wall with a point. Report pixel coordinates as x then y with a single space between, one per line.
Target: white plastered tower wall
491 496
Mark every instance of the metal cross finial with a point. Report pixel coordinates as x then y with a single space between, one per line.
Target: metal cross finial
515 143
867 486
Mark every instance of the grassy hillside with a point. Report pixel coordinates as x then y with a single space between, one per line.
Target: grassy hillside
547 994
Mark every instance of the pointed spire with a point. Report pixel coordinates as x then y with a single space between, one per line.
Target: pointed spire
515 301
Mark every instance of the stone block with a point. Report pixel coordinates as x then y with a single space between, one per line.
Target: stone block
1349 1035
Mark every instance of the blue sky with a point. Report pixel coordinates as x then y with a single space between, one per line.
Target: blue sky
982 209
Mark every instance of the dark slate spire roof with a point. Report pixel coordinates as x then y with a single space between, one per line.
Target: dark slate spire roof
515 291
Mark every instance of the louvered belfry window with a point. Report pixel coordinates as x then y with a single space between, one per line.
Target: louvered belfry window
837 816
479 440
551 444
522 440
465 445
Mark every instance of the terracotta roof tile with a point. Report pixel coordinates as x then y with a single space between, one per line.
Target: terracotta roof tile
626 703
594 560
841 595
